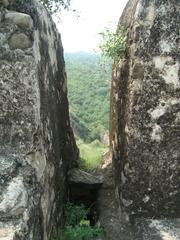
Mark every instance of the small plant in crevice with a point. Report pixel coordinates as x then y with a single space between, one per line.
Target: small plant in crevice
113 44
76 225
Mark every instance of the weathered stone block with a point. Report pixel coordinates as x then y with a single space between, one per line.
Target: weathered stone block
19 40
77 176
22 20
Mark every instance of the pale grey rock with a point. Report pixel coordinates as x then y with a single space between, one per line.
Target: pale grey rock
77 176
22 20
19 40
157 229
15 198
4 3
6 231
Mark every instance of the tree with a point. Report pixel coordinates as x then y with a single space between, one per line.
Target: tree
55 6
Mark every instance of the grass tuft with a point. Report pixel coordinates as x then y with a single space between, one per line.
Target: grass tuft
91 154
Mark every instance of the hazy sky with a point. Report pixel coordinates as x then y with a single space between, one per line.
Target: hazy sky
81 34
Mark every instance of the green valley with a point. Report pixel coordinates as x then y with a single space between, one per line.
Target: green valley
88 91
89 80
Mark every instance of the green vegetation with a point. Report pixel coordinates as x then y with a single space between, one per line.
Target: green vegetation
91 154
113 44
79 128
89 92
89 89
82 233
74 214
54 6
76 226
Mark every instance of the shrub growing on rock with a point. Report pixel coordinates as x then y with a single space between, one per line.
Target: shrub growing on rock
113 44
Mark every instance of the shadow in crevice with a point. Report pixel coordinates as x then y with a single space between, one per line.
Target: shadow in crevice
83 189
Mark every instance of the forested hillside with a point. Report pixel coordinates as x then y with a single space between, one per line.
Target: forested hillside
88 89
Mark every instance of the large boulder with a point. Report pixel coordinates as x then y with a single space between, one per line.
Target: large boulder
145 111
37 143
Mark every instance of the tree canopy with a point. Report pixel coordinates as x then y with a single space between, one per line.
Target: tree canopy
89 89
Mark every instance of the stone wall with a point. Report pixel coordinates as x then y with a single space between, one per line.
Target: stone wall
145 111
37 143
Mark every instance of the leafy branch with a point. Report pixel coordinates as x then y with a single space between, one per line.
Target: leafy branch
54 6
113 44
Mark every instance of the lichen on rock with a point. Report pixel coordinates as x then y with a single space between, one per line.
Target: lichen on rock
37 143
144 108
